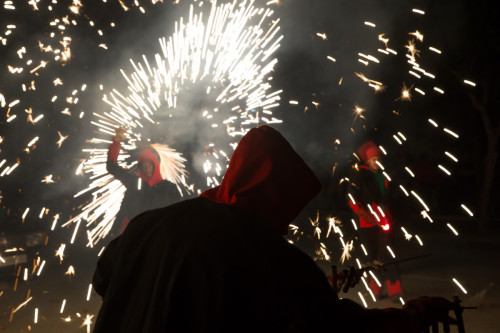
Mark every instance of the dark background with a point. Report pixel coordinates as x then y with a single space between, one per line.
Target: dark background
465 31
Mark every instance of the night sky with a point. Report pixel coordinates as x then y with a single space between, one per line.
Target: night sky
327 92
326 109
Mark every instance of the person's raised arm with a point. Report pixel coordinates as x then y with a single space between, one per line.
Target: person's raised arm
123 175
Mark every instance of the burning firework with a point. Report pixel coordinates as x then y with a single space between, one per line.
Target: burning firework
228 57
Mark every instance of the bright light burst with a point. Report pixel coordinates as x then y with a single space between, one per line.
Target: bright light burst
227 55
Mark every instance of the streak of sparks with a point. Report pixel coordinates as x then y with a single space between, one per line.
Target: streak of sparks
70 271
332 226
22 304
460 286
451 156
386 176
470 83
410 172
60 252
368 289
89 292
444 169
405 94
62 306
397 139
433 123
322 36
417 35
41 268
433 49
233 45
87 322
420 91
452 229
354 224
101 251
420 200
464 207
25 213
425 215
390 251
48 179
375 278
404 190
455 135
408 236
364 250
383 39
418 11
54 223
362 299
346 253
61 139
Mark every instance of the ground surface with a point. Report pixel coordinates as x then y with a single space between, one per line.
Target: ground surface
472 258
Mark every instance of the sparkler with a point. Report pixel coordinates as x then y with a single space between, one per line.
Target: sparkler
227 55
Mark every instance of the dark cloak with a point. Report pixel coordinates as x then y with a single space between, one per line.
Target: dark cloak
210 264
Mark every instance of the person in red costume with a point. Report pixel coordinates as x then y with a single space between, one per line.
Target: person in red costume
154 191
369 198
220 263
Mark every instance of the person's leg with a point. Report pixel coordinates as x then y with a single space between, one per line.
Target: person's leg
370 240
392 275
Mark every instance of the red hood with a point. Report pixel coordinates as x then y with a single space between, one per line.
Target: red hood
368 150
267 178
149 155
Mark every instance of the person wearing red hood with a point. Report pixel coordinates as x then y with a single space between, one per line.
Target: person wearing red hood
154 192
369 198
220 263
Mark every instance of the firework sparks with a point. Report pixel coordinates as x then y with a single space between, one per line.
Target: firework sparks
61 139
444 169
322 36
60 252
70 272
452 229
433 123
346 253
450 132
48 179
460 286
408 236
417 35
362 299
63 305
368 289
405 93
470 83
464 207
201 51
87 322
